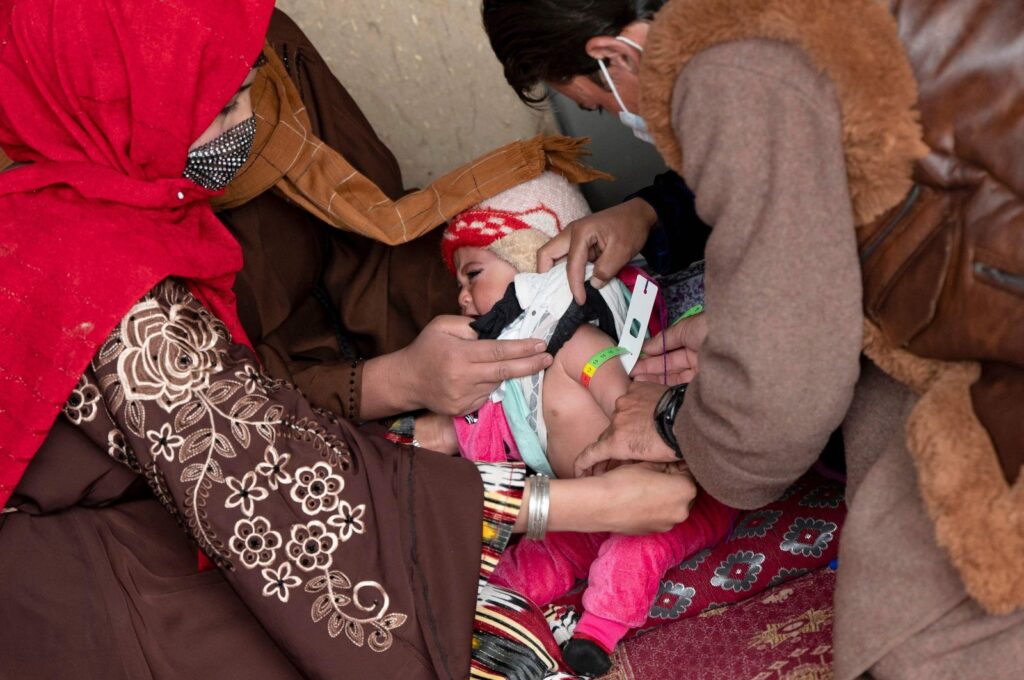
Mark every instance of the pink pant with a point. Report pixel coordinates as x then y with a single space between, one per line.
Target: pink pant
623 572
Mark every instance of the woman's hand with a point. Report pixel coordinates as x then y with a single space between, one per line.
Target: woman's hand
436 432
610 238
642 498
635 498
446 370
632 434
676 348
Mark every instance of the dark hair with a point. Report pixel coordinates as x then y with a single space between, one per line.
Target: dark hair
545 40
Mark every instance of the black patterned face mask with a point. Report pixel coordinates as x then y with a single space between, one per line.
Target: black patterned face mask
214 164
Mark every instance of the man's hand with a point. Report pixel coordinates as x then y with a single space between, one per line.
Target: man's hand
610 238
676 349
447 370
632 434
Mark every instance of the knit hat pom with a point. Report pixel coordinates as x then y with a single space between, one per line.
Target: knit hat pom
516 223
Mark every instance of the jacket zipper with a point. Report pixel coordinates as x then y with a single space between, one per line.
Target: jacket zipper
908 203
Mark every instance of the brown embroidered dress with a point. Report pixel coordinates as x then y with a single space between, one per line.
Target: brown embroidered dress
350 552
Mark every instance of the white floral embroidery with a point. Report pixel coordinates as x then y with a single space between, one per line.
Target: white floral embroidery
280 582
368 598
317 488
81 404
349 520
244 493
273 467
255 542
168 353
311 546
252 380
165 442
168 358
117 447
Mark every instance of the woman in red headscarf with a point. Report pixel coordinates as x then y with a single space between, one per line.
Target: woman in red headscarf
115 289
123 366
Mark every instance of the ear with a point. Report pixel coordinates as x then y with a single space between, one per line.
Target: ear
615 51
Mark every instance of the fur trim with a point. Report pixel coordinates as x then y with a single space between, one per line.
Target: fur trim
978 517
913 371
855 42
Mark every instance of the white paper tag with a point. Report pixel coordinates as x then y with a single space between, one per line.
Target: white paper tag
641 305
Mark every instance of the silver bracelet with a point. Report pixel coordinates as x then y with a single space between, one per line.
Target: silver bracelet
538 508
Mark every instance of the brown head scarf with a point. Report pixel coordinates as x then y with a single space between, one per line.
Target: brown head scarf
292 161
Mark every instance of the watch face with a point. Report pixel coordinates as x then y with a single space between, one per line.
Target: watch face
663 403
673 400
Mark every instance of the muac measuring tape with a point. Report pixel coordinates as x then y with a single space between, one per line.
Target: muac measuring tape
595 362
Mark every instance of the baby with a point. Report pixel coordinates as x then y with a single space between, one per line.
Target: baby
547 419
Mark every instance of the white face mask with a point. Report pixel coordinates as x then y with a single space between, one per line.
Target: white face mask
631 120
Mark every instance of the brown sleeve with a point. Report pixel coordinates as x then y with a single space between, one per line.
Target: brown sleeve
761 134
342 546
328 382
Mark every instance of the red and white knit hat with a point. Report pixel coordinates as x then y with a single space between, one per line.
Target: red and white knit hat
516 223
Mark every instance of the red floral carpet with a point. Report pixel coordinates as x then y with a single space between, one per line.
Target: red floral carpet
785 633
795 535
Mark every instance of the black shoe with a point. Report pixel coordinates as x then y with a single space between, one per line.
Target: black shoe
586 657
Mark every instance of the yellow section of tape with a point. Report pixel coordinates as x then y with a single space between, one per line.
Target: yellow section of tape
595 362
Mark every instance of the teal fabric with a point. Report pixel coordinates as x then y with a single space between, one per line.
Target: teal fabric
527 440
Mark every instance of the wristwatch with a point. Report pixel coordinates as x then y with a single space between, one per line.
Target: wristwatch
665 416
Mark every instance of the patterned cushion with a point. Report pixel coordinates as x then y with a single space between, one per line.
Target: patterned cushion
783 634
783 540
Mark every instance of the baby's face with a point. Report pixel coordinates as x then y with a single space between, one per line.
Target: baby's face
483 278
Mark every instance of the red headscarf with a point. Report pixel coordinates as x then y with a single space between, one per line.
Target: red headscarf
103 98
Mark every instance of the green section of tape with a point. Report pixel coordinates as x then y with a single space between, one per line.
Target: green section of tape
692 311
595 362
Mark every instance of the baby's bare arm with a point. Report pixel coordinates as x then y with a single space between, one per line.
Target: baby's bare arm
610 382
575 414
632 499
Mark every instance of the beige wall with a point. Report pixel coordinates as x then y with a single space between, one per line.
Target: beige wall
423 73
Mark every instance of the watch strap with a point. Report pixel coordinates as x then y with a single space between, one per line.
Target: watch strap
665 417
